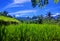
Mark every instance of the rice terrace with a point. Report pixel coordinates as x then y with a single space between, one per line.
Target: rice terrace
29 20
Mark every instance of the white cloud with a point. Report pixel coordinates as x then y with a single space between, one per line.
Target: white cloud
56 14
17 15
52 8
21 1
15 4
24 12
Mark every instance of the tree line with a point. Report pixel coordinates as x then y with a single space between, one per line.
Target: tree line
36 19
49 19
5 13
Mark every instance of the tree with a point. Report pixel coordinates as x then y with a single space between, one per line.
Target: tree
34 17
40 19
9 16
14 16
42 3
58 18
5 13
1 13
49 16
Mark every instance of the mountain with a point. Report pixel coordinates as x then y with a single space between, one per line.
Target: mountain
55 16
23 18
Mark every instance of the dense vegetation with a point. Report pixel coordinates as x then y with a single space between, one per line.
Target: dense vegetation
43 29
6 20
30 32
48 19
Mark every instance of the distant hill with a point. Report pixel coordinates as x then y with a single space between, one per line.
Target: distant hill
23 18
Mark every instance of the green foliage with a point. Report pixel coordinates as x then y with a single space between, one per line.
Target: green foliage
33 3
4 13
56 1
42 3
49 16
31 32
40 19
58 18
7 20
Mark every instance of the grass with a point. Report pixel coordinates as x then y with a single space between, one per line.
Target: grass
31 32
7 19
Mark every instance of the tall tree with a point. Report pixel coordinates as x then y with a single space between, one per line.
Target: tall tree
5 13
1 13
49 16
58 18
40 19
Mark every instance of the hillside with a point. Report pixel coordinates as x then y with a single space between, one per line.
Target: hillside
8 20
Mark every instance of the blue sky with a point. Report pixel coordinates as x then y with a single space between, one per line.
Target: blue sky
24 8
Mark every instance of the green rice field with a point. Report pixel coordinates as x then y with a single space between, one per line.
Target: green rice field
30 32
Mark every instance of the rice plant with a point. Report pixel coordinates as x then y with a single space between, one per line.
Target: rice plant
30 32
